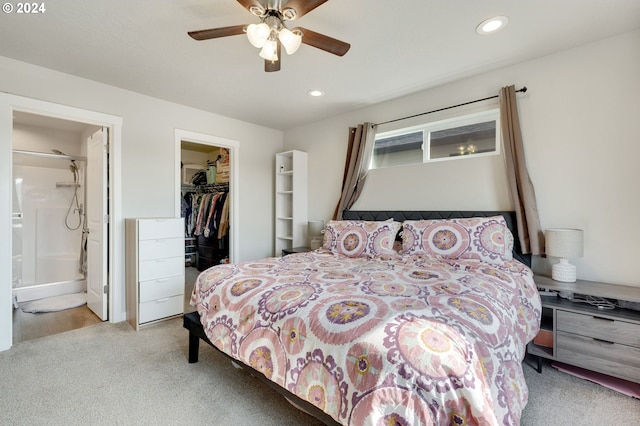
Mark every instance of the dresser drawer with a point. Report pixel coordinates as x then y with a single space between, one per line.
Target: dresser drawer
615 331
160 268
161 288
151 229
608 358
160 248
161 308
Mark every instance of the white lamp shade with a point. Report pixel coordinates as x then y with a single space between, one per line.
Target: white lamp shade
563 242
270 50
258 34
289 40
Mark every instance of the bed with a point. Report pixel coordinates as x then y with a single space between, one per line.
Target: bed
429 330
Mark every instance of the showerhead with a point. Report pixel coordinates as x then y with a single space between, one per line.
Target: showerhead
72 167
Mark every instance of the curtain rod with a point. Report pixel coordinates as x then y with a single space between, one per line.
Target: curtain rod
47 155
523 90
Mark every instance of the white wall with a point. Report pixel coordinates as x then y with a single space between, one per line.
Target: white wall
148 145
581 129
148 155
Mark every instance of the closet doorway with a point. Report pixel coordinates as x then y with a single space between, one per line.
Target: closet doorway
206 188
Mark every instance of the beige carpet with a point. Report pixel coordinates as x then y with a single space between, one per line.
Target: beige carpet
109 374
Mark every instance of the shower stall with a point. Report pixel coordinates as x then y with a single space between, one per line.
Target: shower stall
48 224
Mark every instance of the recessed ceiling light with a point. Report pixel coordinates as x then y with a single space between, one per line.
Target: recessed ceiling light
491 25
315 93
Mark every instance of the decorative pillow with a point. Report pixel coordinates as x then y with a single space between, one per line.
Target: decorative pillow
359 238
483 238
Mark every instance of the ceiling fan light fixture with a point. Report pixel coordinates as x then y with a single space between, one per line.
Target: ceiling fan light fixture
270 35
289 14
258 34
256 10
270 50
290 40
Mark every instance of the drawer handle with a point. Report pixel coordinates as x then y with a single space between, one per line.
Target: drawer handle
603 319
162 300
161 280
161 240
604 341
160 260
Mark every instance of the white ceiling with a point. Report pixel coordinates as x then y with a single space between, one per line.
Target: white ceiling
397 47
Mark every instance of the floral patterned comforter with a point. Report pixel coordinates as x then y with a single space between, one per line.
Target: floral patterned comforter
407 341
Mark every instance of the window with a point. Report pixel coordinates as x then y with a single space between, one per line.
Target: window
456 138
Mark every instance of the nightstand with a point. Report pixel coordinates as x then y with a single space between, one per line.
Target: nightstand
579 334
295 250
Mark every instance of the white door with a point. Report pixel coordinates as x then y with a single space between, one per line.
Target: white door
97 223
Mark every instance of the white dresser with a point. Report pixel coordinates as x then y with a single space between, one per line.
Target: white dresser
154 269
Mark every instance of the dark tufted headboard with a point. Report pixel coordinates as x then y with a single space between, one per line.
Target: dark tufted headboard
400 216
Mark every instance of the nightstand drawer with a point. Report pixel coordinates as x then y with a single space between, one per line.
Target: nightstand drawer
601 328
161 288
608 358
161 308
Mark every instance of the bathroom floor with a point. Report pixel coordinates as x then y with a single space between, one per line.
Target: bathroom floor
27 326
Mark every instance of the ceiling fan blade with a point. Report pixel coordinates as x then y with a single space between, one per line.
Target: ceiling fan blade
271 66
323 42
217 32
302 7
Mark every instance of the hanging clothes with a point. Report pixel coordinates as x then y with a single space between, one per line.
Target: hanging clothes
206 213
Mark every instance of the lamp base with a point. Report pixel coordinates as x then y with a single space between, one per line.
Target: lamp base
315 243
563 271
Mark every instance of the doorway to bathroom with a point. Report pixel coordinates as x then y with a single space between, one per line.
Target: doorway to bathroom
59 233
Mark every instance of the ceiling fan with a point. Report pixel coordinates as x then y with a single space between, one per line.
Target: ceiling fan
271 33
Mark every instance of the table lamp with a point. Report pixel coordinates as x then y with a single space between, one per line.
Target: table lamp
563 243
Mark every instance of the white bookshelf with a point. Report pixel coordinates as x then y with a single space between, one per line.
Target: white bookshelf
290 200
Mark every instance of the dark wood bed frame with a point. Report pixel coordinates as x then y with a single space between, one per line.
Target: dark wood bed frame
191 321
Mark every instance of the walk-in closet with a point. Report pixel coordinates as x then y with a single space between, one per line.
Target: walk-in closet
205 207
